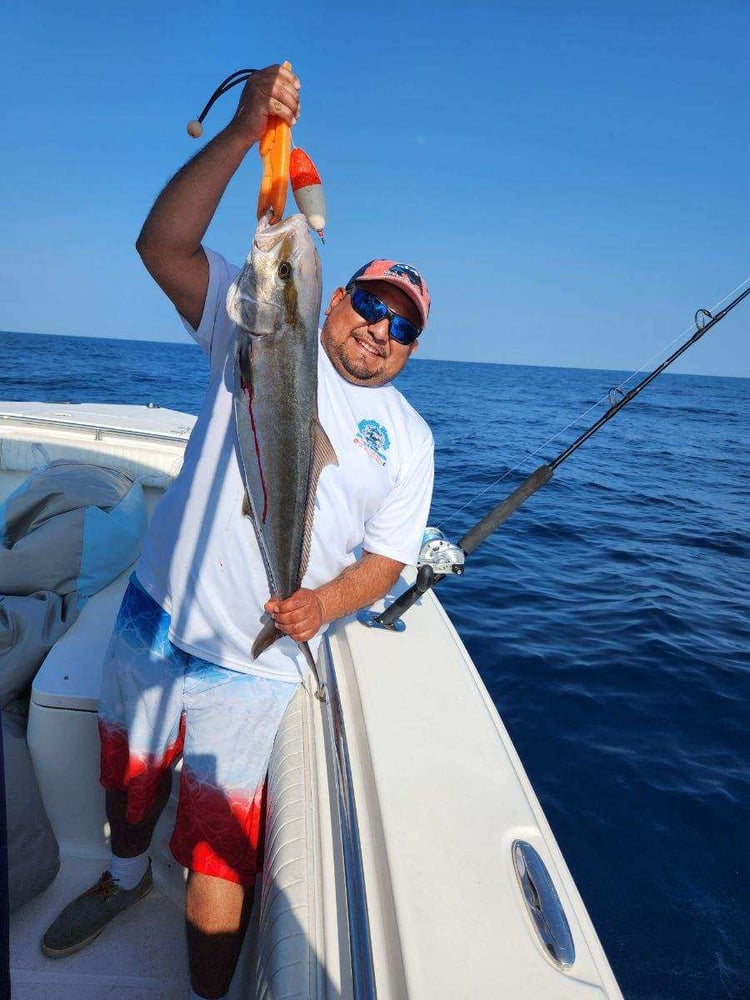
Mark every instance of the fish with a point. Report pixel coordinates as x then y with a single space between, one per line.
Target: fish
283 448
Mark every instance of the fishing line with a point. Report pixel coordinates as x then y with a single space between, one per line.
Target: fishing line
649 361
610 397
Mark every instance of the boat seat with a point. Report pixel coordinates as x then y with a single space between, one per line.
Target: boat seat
63 734
71 674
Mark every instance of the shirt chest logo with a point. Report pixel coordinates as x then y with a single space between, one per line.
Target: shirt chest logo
373 438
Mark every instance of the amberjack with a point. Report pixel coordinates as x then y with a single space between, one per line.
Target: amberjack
275 302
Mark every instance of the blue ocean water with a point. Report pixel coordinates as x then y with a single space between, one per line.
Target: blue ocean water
608 619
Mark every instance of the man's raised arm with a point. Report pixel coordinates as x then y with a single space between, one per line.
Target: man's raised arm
170 240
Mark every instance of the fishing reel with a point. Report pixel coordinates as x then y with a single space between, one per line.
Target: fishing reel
440 554
438 557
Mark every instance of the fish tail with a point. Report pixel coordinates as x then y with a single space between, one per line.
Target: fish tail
320 692
265 638
268 636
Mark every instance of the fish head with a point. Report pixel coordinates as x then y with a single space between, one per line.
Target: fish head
280 283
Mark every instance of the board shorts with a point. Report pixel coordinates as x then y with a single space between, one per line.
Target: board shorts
158 702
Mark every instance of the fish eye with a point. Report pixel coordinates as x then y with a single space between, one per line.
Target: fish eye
285 270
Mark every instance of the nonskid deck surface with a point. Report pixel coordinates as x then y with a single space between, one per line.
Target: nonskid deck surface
140 956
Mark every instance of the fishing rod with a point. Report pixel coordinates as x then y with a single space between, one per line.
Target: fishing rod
441 558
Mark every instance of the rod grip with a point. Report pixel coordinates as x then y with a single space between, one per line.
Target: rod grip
492 521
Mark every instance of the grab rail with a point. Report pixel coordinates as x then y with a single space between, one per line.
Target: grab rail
98 428
360 941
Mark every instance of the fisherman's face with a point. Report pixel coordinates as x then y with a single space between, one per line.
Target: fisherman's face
363 353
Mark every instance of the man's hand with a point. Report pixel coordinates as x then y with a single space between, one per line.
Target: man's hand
357 586
271 91
300 615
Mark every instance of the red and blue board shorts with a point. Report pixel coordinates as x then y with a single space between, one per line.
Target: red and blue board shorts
158 702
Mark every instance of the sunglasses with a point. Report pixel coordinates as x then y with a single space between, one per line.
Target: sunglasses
372 310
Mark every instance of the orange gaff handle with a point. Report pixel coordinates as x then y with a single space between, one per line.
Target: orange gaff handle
274 153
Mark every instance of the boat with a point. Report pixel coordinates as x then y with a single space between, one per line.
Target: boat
406 853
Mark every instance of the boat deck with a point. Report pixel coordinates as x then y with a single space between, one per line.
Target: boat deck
140 956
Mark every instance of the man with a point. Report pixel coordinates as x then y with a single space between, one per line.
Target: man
178 676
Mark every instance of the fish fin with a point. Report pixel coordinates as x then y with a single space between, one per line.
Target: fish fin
323 454
268 636
265 638
255 500
242 308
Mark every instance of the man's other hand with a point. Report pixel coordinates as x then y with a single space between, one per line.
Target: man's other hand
273 91
299 616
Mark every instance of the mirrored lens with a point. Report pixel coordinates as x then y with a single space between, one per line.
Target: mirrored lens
403 330
369 307
372 310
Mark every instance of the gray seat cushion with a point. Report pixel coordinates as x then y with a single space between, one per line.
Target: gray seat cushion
29 628
70 527
33 852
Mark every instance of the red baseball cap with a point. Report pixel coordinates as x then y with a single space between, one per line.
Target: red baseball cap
407 278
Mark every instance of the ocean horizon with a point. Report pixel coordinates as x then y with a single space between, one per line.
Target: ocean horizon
417 358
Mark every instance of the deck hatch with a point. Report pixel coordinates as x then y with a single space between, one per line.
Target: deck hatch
543 903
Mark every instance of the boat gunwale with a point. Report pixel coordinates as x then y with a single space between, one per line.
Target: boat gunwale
98 427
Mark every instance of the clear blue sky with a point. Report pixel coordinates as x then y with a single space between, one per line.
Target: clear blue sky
572 178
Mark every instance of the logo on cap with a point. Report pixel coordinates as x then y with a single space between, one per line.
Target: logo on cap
404 271
404 276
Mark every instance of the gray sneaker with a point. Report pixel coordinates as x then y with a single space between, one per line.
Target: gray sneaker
87 916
